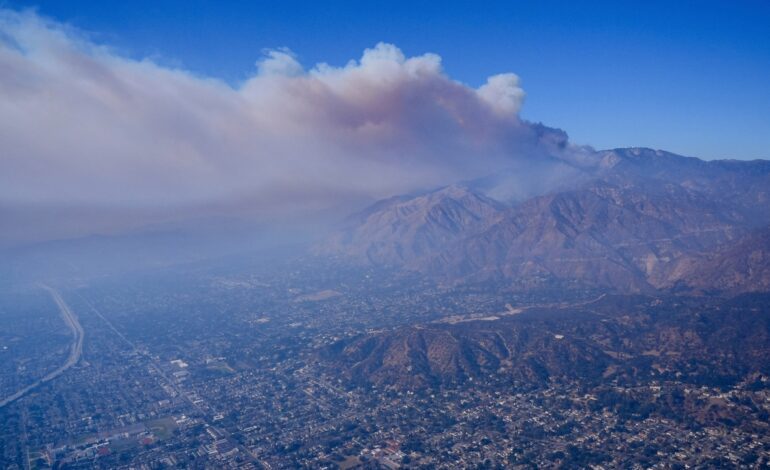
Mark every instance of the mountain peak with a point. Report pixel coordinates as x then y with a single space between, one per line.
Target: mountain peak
625 227
398 230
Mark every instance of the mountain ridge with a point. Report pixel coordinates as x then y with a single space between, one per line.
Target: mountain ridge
627 225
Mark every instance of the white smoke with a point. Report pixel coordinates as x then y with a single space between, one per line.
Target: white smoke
82 126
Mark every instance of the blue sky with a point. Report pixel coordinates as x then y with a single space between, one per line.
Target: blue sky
685 76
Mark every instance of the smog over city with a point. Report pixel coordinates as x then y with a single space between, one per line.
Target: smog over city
384 235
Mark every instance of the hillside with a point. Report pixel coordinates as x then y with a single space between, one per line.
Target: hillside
632 223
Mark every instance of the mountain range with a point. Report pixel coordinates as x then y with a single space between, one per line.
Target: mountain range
620 339
630 220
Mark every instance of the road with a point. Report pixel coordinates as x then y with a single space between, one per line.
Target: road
76 347
205 411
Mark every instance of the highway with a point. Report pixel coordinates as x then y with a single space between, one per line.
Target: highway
76 347
205 411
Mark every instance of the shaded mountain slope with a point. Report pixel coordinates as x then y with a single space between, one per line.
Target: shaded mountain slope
400 229
627 225
620 339
741 266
